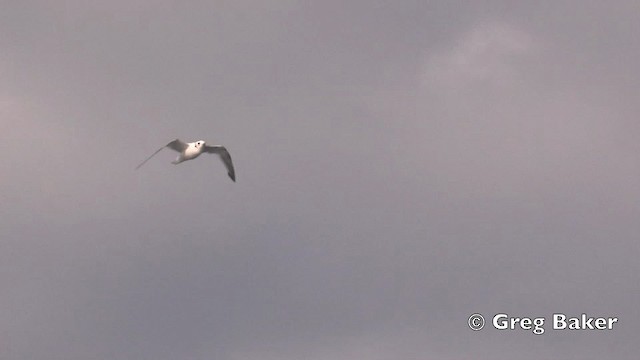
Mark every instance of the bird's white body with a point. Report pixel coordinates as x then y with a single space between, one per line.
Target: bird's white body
190 151
193 150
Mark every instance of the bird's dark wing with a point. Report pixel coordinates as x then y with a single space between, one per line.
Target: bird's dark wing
176 145
224 155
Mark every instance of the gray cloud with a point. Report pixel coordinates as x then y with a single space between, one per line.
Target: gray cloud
400 165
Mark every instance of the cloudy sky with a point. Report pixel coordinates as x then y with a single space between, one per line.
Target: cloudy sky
401 165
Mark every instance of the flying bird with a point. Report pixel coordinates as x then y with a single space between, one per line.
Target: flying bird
190 151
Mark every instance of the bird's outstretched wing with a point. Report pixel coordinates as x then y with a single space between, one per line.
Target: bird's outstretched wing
224 155
176 145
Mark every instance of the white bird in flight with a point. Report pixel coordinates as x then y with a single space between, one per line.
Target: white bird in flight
190 151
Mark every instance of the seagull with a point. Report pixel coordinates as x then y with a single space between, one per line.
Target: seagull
190 151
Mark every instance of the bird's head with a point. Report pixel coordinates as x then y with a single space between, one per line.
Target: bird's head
200 143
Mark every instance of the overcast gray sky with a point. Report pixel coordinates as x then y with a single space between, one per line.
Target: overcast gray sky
401 165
